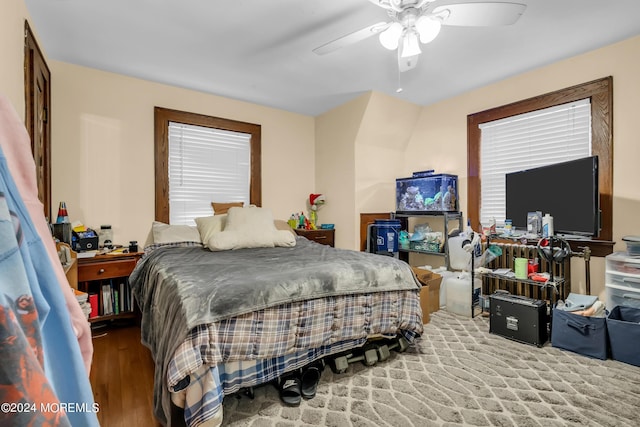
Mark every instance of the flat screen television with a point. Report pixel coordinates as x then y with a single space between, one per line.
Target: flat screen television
568 191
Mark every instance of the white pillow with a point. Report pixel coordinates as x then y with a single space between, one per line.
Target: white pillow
209 225
165 233
250 227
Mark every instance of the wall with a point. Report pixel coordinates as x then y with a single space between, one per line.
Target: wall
103 147
385 132
335 134
14 12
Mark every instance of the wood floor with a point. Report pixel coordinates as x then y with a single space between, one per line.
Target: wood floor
122 378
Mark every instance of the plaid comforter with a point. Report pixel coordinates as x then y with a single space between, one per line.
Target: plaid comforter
221 358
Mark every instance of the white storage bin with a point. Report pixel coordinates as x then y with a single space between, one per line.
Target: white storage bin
621 262
622 295
622 280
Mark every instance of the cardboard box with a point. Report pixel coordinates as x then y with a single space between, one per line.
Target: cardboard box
430 293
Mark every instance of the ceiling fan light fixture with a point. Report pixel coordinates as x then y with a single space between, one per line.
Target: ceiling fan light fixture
390 37
428 28
410 45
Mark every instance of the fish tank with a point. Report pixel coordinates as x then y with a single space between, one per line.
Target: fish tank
427 192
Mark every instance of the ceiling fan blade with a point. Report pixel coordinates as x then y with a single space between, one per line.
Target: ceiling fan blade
351 38
481 14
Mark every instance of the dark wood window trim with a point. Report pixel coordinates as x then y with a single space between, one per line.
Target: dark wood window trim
163 116
600 93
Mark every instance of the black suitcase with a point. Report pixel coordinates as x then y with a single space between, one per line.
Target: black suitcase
519 318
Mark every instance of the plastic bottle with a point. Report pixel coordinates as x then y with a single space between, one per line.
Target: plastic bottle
459 293
446 275
105 235
547 225
508 227
292 221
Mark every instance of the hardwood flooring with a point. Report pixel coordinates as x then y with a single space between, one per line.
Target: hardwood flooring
122 378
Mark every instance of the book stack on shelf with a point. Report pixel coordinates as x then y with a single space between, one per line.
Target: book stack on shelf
114 298
83 299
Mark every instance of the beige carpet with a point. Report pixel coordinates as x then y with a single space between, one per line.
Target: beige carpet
459 374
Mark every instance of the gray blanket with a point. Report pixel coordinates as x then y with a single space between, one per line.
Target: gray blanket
178 288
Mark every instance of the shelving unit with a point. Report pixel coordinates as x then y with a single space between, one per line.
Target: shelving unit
447 218
557 283
557 288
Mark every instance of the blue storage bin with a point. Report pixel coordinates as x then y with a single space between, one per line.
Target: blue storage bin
580 334
623 326
387 235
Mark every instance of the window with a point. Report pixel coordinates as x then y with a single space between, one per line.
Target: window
600 95
202 159
539 138
205 165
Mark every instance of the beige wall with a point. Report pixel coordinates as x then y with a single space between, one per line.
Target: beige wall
103 147
335 134
12 16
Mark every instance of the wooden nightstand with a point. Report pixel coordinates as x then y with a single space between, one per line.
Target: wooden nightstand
325 237
104 276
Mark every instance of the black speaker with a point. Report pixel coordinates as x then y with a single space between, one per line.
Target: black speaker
548 250
519 318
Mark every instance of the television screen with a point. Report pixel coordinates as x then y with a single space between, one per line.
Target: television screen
567 191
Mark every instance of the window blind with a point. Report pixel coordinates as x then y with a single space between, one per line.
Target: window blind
206 165
538 138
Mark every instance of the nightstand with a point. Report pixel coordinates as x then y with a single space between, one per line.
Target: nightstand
105 279
324 237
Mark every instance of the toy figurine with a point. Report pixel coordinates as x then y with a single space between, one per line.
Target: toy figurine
315 201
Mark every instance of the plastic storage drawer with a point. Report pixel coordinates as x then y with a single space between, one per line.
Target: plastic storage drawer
622 295
625 280
621 262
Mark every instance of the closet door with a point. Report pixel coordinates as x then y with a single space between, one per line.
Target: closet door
37 108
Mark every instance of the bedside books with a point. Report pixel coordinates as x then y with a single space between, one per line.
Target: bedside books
114 297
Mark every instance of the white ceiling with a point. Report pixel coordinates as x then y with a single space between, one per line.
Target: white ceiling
261 51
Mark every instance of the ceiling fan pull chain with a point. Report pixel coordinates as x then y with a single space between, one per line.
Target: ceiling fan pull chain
399 89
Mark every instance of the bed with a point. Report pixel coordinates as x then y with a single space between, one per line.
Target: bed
220 320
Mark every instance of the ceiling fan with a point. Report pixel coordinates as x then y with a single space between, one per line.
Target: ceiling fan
417 21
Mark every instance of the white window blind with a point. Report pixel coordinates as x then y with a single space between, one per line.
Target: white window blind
539 138
206 165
